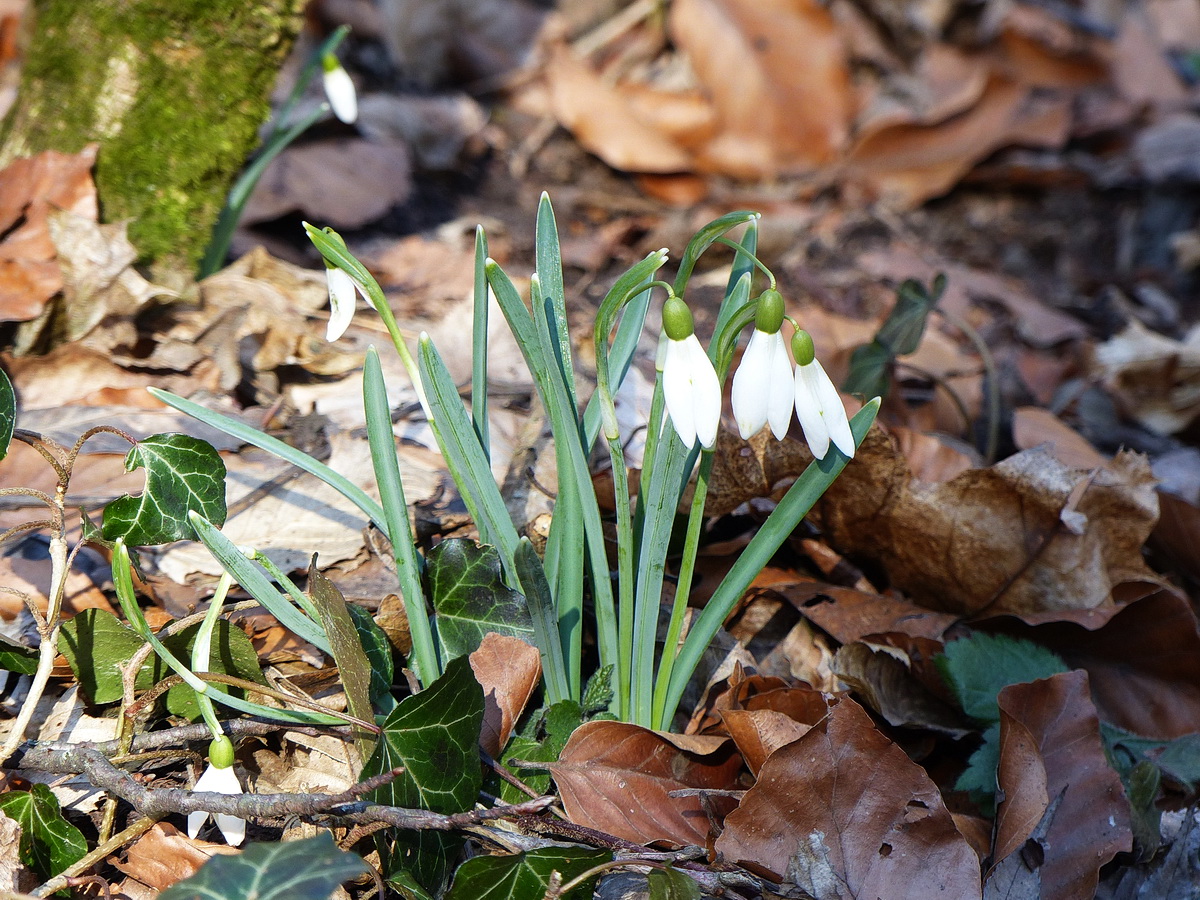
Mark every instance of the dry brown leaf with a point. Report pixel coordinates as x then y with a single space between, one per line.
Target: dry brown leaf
752 692
760 732
165 855
881 676
14 877
617 778
31 188
1154 379
346 182
1037 427
1141 71
1050 743
1177 534
509 670
931 457
844 812
605 122
778 77
850 615
1027 536
1143 661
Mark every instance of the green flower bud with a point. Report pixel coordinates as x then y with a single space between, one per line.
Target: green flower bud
677 319
220 752
803 350
769 317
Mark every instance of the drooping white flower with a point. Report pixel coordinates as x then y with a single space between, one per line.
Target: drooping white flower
342 300
339 88
690 386
818 404
762 386
220 781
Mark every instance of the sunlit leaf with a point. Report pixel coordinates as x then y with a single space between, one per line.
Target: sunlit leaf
434 736
309 869
542 739
49 843
470 598
354 669
183 474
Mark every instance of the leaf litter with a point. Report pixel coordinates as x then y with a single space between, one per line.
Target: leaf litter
1046 546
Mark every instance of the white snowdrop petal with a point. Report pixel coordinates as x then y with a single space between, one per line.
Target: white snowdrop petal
343 99
780 389
750 393
834 412
808 411
342 299
677 389
706 394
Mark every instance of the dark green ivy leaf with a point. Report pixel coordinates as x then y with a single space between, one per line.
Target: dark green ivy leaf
49 843
434 735
541 740
310 869
671 884
525 876
183 473
470 597
8 413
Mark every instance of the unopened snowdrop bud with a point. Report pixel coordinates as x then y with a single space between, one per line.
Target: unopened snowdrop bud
690 386
219 778
762 386
818 404
339 88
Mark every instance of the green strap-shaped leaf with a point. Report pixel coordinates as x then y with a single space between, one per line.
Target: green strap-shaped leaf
8 413
470 597
183 474
525 876
310 869
49 843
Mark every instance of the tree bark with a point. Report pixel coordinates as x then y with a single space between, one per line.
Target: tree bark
174 92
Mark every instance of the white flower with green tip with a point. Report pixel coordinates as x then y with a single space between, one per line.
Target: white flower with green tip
818 403
762 385
690 386
220 779
339 88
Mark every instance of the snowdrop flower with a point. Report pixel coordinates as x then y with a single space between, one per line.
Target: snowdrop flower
690 386
342 289
818 404
220 779
339 89
762 385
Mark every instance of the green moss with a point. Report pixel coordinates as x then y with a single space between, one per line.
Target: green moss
175 92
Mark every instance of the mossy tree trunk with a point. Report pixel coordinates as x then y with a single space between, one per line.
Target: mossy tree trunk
174 91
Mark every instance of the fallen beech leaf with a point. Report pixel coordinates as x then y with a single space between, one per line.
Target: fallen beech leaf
850 615
1177 534
760 732
931 458
1027 536
508 670
604 122
1143 662
617 778
1155 379
778 76
1050 733
753 691
31 188
165 855
881 676
843 812
1141 71
1034 427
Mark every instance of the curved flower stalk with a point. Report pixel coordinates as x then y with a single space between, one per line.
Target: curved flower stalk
219 778
690 386
818 403
762 385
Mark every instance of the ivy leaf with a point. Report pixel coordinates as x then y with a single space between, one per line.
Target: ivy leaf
49 843
470 597
525 875
97 644
8 413
16 657
310 869
375 644
542 740
183 474
671 884
434 735
978 667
